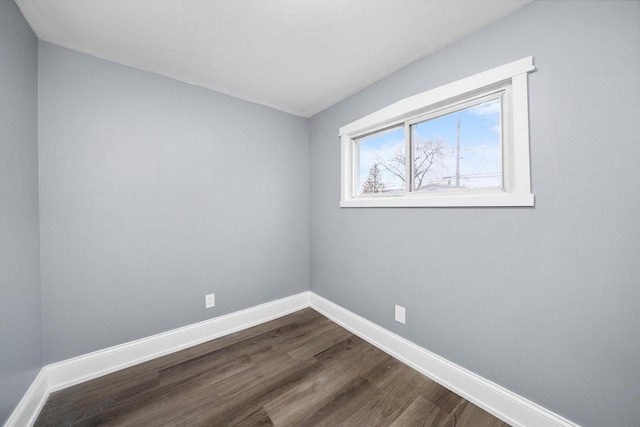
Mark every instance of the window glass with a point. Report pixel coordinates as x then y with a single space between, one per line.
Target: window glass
381 165
459 150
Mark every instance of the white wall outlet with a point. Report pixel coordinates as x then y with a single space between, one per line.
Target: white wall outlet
210 300
400 314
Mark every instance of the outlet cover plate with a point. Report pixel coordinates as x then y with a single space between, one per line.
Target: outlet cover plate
400 314
210 300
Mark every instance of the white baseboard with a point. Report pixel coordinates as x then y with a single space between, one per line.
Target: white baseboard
504 404
33 400
92 365
79 369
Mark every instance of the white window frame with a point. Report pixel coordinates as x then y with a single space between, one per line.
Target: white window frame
512 80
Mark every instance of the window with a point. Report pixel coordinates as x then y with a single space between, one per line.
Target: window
462 144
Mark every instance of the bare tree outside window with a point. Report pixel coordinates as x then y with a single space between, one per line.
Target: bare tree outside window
374 183
428 156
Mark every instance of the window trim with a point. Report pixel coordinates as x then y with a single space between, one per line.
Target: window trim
516 164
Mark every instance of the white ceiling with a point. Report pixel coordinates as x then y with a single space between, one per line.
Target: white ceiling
298 56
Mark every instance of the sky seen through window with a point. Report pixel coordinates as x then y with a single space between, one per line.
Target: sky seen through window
439 165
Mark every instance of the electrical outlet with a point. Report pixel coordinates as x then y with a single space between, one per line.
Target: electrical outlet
400 314
210 300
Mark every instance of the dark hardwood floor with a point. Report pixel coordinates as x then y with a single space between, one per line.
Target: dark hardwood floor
301 369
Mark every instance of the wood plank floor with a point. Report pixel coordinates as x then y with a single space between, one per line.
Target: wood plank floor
301 369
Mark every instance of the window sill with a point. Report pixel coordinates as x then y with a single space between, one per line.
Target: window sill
442 200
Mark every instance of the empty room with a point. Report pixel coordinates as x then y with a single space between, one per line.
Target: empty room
320 212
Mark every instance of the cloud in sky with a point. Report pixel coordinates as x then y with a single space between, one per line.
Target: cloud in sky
489 109
490 112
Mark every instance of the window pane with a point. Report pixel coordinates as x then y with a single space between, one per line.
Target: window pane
459 150
381 162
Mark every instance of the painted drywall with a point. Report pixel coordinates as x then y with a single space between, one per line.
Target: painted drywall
154 193
20 309
543 300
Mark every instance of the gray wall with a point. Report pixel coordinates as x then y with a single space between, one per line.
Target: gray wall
154 193
544 300
20 318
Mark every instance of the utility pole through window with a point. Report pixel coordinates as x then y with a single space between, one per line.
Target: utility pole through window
458 156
